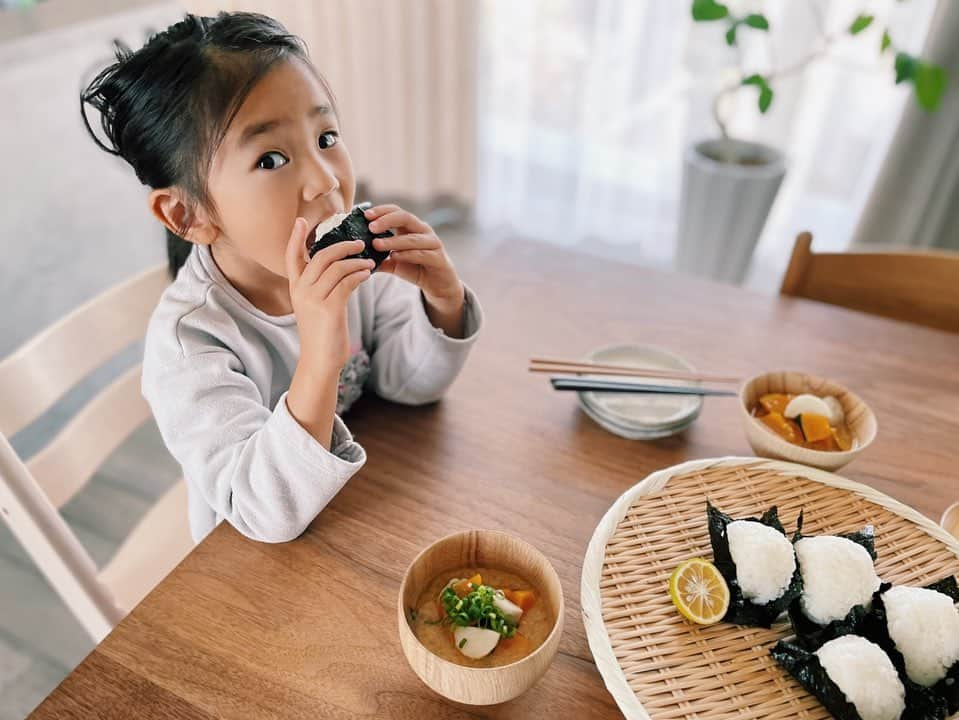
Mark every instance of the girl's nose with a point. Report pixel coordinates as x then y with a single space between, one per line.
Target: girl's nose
319 180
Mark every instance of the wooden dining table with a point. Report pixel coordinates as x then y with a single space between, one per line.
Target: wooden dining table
307 629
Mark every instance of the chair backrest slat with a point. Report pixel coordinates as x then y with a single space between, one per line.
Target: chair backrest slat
68 462
45 367
921 287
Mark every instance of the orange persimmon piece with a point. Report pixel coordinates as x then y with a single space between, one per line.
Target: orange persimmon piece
815 427
525 599
783 427
775 402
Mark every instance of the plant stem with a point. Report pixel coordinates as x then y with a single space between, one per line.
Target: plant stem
827 41
792 69
717 116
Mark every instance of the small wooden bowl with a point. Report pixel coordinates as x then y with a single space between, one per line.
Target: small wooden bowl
765 443
480 548
950 519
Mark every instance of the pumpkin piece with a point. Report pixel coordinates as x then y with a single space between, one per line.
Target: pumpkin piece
524 598
465 587
774 402
784 428
843 437
827 444
815 427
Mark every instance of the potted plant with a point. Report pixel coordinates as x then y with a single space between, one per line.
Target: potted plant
729 184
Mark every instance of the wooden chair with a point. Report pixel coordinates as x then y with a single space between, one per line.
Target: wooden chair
916 286
32 491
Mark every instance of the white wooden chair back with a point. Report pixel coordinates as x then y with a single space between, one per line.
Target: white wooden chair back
32 491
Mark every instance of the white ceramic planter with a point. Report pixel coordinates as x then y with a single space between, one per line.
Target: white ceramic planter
724 205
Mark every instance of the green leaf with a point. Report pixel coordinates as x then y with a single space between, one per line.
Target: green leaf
930 82
757 21
765 98
860 24
906 67
731 35
886 41
765 92
706 10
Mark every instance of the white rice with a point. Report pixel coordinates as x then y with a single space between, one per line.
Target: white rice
866 676
331 222
764 557
924 624
837 575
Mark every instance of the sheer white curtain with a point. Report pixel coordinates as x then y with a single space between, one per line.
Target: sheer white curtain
916 197
586 106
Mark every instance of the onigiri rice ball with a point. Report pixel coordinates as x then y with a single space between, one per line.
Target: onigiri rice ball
865 675
924 625
765 560
837 574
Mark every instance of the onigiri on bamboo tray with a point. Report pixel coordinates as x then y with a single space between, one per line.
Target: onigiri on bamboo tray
658 665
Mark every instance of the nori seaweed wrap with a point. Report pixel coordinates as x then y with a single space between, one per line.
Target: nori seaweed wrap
803 664
743 611
874 627
353 227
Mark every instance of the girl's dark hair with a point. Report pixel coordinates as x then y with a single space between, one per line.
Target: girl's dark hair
166 107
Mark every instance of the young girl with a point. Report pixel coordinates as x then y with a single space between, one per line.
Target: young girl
255 349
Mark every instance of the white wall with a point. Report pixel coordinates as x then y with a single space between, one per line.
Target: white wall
73 219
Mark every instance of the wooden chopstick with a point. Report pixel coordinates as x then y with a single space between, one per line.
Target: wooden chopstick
581 367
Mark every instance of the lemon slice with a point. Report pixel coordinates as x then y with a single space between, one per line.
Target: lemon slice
699 591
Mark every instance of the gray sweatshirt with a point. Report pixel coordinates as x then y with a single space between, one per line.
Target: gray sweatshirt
216 371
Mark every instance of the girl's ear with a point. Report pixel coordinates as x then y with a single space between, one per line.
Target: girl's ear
168 206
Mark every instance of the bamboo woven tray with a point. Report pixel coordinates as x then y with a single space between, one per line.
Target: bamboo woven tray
656 664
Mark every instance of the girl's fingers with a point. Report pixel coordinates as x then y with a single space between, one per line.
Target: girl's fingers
379 210
429 258
411 241
344 288
296 250
327 256
399 219
338 270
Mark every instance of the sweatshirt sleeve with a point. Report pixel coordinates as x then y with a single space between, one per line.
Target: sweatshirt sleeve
412 361
258 468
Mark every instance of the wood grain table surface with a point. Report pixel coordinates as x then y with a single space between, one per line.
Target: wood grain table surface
307 629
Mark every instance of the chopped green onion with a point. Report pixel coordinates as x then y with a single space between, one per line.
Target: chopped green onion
477 609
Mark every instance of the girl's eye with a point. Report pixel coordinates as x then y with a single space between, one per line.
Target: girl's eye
327 140
271 161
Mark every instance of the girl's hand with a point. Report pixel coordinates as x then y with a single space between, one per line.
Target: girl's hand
319 291
417 256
